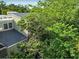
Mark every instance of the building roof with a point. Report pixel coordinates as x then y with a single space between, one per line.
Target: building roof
5 17
20 14
16 13
12 14
11 37
1 46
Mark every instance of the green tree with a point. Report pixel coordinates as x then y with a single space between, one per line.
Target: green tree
55 26
2 6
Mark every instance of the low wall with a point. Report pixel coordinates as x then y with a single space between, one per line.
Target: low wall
3 52
14 49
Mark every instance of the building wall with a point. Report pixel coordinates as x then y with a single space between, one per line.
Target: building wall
6 22
15 20
14 48
3 52
18 28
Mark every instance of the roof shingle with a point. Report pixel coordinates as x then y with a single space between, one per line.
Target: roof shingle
11 37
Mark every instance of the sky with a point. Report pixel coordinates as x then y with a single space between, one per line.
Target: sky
22 2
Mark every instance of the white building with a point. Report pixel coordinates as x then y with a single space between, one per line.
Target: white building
10 34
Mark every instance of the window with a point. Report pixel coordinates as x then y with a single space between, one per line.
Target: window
5 26
10 25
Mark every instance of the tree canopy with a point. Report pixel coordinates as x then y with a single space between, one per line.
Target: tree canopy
54 29
11 7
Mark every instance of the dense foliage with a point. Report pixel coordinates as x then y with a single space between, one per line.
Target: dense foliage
4 8
54 30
